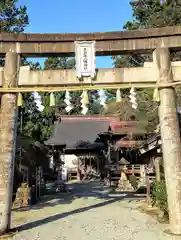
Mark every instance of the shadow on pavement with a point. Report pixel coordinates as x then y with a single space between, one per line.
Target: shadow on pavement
63 215
85 190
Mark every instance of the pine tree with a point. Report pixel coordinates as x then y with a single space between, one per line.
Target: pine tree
14 19
150 14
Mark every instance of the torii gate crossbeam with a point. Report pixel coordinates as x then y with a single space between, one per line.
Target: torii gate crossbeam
107 43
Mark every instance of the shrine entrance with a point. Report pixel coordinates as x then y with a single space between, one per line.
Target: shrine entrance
162 75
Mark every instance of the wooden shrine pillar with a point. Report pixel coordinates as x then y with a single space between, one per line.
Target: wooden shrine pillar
8 129
78 168
98 164
157 161
170 136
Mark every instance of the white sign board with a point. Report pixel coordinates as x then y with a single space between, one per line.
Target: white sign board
85 58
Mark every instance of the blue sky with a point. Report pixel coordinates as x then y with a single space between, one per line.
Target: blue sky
78 16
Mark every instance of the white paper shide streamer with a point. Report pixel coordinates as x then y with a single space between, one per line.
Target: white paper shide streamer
102 98
84 102
132 97
68 102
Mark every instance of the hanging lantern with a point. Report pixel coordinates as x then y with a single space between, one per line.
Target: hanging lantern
20 100
52 100
132 97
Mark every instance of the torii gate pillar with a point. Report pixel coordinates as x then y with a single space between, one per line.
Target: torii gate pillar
170 135
8 139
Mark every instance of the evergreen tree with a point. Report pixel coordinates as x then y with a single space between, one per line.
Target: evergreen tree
29 117
14 19
149 14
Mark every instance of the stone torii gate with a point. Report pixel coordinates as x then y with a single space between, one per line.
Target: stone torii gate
161 74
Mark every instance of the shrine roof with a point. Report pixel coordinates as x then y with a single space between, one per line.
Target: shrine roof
151 138
151 143
76 132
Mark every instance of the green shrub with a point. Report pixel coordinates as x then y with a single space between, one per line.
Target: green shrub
159 196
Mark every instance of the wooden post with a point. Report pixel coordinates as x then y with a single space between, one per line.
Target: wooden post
148 192
157 168
78 168
97 159
170 136
8 140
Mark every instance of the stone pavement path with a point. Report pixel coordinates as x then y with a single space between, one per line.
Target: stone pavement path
88 213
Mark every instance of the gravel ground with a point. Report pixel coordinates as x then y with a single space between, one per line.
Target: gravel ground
88 213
